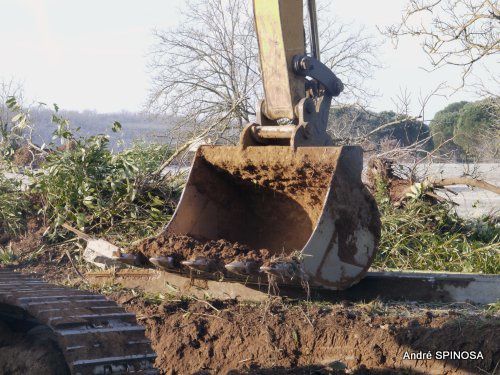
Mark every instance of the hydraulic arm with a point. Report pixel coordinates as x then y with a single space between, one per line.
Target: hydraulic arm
285 191
289 95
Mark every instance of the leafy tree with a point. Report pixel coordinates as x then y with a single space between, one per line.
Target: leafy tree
469 129
352 122
444 123
478 130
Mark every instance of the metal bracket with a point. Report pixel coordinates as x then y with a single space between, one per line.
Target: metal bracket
307 66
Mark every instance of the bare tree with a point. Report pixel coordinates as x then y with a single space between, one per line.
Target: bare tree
351 53
209 65
9 88
459 33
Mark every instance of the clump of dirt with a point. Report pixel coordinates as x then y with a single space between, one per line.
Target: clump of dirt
185 247
23 353
32 239
232 338
26 156
306 183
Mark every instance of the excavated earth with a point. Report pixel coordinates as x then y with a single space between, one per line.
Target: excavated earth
185 247
215 337
202 337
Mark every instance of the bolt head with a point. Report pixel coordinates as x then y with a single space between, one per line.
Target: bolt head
305 63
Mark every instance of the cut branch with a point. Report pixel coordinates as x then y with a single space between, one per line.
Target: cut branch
472 182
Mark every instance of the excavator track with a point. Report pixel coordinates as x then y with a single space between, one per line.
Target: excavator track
95 335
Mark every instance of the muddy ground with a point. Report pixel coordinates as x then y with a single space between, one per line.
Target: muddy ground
287 337
202 337
277 337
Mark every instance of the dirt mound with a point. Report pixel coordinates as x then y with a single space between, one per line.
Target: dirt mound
22 353
213 337
186 247
26 156
231 338
31 239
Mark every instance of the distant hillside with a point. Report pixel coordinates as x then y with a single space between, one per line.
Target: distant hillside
135 126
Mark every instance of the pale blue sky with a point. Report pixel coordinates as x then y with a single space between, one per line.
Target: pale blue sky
92 54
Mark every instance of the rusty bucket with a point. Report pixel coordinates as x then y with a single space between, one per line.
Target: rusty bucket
310 201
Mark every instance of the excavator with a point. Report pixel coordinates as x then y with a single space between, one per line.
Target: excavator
285 188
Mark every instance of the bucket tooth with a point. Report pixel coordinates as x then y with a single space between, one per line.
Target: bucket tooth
200 264
284 270
130 259
244 268
163 262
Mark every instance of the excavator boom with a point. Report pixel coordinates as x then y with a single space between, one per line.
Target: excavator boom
294 202
280 34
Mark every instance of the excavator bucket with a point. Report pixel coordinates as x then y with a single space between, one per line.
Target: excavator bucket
283 203
307 204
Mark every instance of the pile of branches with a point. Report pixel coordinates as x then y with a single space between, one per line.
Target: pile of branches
82 182
401 188
421 230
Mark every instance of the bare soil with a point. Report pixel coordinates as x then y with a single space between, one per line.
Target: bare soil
22 353
31 239
230 338
214 337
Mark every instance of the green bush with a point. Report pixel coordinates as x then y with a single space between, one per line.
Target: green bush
425 236
13 206
87 185
81 181
147 157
